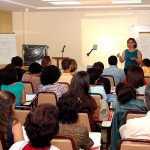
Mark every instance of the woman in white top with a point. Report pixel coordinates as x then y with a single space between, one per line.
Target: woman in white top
41 126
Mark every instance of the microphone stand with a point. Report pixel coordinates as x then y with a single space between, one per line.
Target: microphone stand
62 51
89 52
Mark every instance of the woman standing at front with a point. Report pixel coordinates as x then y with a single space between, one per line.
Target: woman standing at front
130 56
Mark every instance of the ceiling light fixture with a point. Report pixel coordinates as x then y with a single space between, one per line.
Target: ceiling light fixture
65 2
126 1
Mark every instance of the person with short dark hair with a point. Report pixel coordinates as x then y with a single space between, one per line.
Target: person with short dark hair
41 126
101 80
146 67
131 56
113 70
49 78
93 75
46 61
135 76
18 63
138 127
69 107
126 96
33 76
66 76
10 83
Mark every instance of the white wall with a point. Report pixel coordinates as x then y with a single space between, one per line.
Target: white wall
79 30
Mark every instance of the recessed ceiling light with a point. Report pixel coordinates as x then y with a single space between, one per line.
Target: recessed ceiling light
65 2
125 1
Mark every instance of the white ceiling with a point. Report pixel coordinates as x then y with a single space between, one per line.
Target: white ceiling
38 5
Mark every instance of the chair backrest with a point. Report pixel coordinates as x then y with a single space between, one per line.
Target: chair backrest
131 114
28 87
2 142
134 144
147 79
21 114
46 97
97 98
63 142
111 79
140 96
83 118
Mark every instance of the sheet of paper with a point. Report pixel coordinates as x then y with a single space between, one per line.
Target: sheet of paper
96 137
30 97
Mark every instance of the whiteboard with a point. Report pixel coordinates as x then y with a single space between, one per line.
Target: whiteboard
144 44
7 48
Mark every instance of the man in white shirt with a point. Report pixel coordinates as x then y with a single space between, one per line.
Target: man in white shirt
66 75
138 127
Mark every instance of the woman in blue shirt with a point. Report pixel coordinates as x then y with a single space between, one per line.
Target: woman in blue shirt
9 83
130 56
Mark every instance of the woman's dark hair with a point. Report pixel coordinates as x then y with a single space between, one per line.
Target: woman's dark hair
45 61
135 76
80 85
125 92
69 106
74 65
146 62
93 75
35 68
9 75
50 75
99 66
133 40
17 61
7 100
41 125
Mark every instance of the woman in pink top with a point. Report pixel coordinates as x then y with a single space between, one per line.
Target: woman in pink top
33 76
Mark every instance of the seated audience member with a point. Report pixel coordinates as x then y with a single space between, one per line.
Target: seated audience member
80 87
126 96
146 67
100 67
18 63
74 66
10 127
49 78
135 76
41 126
69 106
138 127
9 83
33 76
66 76
93 74
46 61
113 70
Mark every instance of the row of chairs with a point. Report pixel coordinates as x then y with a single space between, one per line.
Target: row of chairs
112 81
